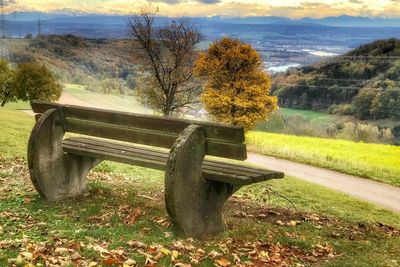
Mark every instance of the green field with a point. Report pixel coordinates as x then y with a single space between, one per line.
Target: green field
374 161
114 102
327 229
309 115
15 126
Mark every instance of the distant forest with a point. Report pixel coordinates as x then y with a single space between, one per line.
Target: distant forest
364 83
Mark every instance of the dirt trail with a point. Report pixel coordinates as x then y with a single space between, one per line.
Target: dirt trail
72 100
380 194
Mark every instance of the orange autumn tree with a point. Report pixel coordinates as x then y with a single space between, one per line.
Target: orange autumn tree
237 90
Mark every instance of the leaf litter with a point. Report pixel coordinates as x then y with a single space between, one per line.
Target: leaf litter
17 225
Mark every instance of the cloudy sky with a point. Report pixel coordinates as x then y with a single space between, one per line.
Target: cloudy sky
289 8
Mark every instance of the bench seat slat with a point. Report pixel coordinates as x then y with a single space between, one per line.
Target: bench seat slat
152 154
151 158
146 157
161 154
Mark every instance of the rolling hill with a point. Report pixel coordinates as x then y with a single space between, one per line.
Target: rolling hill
364 82
101 65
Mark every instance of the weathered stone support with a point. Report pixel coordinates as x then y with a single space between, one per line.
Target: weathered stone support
194 204
54 174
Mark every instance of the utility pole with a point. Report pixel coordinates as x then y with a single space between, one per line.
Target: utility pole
4 54
3 20
39 27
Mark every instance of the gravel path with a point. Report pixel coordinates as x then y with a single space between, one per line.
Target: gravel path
380 194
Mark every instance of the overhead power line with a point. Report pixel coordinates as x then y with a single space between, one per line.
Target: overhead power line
325 86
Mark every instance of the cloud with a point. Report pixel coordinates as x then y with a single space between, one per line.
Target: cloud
232 8
356 2
9 2
209 2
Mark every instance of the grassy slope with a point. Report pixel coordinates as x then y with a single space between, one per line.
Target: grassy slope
96 217
15 126
375 161
115 102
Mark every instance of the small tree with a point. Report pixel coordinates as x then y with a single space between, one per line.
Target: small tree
35 82
237 90
7 92
166 55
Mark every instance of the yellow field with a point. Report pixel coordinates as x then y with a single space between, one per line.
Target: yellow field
375 161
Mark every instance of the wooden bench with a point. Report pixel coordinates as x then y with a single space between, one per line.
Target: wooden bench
195 188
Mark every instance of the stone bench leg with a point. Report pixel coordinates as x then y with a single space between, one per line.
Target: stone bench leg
54 174
194 204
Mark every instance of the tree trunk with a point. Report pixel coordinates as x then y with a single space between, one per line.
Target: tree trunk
3 103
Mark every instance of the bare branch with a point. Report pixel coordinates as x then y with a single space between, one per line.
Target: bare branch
167 53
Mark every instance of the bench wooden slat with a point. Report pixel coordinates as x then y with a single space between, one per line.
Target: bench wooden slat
160 154
147 155
175 126
157 160
103 155
151 138
152 154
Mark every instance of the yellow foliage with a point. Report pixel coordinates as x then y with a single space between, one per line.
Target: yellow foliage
237 90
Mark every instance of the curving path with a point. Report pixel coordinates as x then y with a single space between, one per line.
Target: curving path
381 194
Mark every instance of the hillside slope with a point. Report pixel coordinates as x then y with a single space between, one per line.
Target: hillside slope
364 82
99 64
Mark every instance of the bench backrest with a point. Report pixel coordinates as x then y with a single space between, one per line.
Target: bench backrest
221 141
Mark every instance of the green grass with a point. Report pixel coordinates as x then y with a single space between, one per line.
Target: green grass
375 161
327 219
312 116
114 102
15 127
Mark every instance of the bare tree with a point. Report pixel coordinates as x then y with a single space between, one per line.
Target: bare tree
167 55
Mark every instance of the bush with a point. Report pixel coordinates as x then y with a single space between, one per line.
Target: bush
368 133
7 93
276 123
35 82
396 134
342 109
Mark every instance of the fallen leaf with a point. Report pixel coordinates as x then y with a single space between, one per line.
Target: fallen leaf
137 244
223 262
27 200
129 263
213 254
132 216
61 251
111 261
165 251
174 255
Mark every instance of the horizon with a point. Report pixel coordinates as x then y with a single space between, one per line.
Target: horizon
84 14
387 9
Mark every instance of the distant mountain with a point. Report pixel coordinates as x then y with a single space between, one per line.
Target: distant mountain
33 16
253 20
67 15
260 30
350 21
364 82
